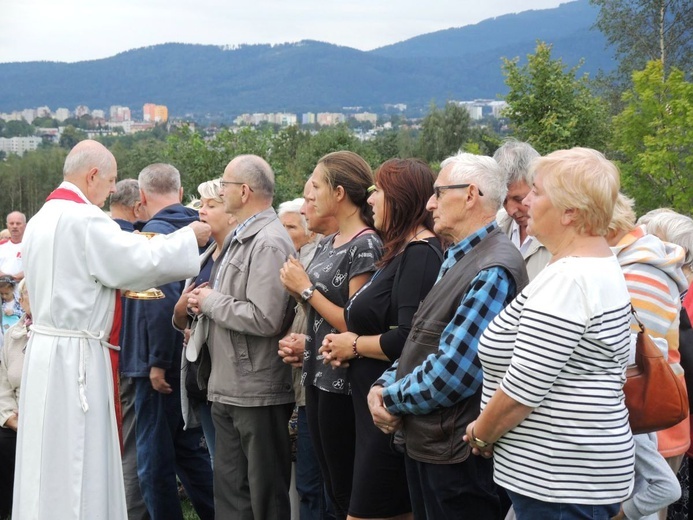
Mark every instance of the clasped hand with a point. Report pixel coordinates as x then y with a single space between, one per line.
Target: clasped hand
338 349
291 348
383 420
197 296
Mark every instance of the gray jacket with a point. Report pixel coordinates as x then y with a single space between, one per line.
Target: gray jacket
536 257
249 313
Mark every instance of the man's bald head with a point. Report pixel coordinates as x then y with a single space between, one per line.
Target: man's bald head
16 223
86 155
93 169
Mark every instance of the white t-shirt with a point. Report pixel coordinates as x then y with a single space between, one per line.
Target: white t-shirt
11 258
561 347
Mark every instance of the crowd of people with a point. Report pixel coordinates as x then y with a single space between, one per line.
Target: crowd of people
420 345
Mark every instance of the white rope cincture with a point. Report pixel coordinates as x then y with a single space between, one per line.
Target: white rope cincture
83 336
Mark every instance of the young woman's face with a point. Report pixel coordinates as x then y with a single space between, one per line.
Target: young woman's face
323 195
377 202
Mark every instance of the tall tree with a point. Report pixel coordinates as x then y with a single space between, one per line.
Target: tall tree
444 132
654 139
550 107
645 30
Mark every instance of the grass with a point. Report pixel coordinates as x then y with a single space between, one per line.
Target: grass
188 510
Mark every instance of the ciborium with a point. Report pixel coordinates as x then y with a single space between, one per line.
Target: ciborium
149 294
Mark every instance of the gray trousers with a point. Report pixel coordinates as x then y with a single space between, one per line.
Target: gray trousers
252 463
137 510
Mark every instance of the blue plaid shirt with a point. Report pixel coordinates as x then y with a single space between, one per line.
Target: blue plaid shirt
454 372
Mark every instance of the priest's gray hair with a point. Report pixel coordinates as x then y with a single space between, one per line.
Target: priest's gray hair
515 157
160 179
127 193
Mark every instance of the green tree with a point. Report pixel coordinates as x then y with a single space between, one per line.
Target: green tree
18 129
654 141
45 122
551 108
443 133
27 180
70 137
645 30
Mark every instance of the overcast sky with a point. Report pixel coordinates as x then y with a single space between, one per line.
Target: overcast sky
76 30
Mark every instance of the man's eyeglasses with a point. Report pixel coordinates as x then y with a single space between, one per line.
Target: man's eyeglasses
438 189
225 183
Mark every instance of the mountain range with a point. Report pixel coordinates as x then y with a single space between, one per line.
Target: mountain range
459 63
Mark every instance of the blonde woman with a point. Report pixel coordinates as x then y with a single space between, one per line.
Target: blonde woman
196 408
553 414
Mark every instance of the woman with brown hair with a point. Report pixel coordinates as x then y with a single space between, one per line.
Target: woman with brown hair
379 319
342 264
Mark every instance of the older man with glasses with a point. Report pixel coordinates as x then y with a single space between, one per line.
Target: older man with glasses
434 389
248 312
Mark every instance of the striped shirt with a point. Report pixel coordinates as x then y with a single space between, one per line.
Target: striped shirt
561 347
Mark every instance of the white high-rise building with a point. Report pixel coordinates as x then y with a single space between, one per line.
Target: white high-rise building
62 114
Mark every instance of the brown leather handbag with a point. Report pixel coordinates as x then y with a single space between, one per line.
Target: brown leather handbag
656 397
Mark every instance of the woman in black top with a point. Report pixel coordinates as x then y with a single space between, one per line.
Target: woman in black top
378 319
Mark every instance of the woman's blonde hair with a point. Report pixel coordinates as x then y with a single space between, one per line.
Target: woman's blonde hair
210 190
584 180
623 218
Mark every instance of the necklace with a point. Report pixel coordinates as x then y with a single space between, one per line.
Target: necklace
417 234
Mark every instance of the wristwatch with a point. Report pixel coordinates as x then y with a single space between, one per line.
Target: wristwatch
307 293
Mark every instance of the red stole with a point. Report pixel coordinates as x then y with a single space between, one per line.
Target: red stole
114 336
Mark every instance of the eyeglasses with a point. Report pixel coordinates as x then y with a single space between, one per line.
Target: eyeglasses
438 189
224 183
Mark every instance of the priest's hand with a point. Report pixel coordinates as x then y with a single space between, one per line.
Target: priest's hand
202 232
157 376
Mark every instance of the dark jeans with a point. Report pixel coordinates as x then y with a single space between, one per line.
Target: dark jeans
527 508
137 510
453 491
252 462
314 504
8 450
165 450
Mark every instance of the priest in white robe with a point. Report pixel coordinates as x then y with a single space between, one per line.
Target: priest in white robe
75 257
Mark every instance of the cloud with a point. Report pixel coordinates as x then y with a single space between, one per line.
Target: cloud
75 30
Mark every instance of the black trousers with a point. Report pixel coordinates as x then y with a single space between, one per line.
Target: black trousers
8 450
331 425
460 491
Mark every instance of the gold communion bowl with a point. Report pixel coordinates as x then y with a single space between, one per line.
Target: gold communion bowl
149 294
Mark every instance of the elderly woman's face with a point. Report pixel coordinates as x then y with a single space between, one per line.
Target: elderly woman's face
293 224
543 217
